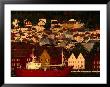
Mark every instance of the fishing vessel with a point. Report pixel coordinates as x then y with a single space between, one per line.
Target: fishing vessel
59 70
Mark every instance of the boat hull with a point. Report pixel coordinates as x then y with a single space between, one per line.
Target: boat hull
40 73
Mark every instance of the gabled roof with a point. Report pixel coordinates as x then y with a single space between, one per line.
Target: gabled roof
81 56
45 54
72 57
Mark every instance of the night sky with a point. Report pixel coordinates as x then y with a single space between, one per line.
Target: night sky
90 18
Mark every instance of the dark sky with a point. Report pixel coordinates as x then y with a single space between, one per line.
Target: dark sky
90 17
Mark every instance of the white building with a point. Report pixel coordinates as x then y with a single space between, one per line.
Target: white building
77 63
27 23
53 23
42 22
79 39
40 26
80 62
33 64
72 61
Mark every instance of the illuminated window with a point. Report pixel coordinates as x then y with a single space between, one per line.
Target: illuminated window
17 64
16 59
29 59
13 64
94 62
97 67
97 62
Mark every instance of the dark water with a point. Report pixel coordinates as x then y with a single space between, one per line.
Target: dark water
84 74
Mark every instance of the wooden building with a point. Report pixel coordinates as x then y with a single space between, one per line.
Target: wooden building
77 63
45 59
96 62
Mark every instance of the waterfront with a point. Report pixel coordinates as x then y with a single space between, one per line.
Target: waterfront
51 41
85 74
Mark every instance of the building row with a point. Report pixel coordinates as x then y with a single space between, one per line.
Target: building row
19 61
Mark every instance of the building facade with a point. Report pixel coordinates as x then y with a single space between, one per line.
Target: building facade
72 61
45 59
77 63
96 62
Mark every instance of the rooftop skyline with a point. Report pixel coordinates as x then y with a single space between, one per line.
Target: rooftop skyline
90 18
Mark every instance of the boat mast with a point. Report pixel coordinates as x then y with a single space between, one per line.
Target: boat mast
32 54
62 56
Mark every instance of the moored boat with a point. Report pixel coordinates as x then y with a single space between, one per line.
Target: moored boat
34 69
41 73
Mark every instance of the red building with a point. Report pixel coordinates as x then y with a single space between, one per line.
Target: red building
19 58
96 62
